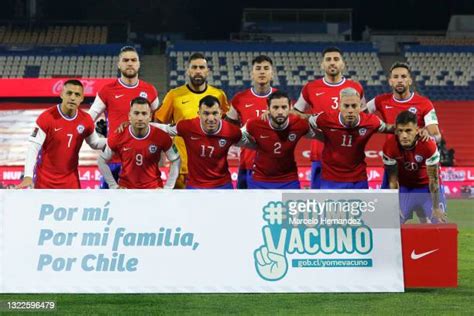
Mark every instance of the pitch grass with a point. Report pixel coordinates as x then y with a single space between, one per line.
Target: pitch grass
459 301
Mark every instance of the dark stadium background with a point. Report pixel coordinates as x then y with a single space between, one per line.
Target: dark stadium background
216 19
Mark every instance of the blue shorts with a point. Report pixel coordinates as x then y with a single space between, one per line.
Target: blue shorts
316 174
115 167
419 200
385 184
252 184
326 184
242 178
227 186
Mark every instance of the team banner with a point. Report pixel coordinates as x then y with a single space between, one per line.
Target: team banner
131 241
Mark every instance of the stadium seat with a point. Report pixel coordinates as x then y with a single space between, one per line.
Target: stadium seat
231 64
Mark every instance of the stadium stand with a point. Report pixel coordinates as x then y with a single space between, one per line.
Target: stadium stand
53 35
443 72
294 63
44 66
82 61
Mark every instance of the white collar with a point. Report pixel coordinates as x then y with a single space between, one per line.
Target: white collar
139 138
67 118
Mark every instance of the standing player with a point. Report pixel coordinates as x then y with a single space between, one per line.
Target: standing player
56 141
275 139
114 98
182 103
139 149
346 133
389 105
208 139
322 95
249 104
413 168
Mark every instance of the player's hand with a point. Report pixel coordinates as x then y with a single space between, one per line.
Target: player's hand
101 127
270 265
440 215
27 182
121 127
424 135
264 115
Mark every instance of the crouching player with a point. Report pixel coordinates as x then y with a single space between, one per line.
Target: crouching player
412 166
139 148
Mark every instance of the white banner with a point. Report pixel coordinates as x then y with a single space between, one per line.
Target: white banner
113 241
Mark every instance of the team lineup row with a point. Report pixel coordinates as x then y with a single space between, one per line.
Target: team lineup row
261 119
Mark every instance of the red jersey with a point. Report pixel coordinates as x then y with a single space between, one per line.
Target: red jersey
411 162
114 99
275 154
389 107
140 157
57 163
321 96
343 158
249 105
207 153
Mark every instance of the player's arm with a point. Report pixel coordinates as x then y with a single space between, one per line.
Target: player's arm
97 108
299 113
386 128
96 142
431 123
247 140
301 106
173 156
168 129
232 116
369 107
104 168
315 134
432 169
36 141
391 168
434 132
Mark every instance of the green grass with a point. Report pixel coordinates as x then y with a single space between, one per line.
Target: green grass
459 301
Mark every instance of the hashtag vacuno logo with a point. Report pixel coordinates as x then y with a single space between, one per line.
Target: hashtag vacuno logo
314 228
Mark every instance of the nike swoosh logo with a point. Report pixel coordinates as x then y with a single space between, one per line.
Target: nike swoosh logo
388 107
264 136
195 138
248 105
125 149
184 102
119 96
320 93
58 129
415 256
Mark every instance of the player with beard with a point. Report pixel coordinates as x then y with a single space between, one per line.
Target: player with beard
275 141
114 99
248 104
322 95
402 98
182 103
